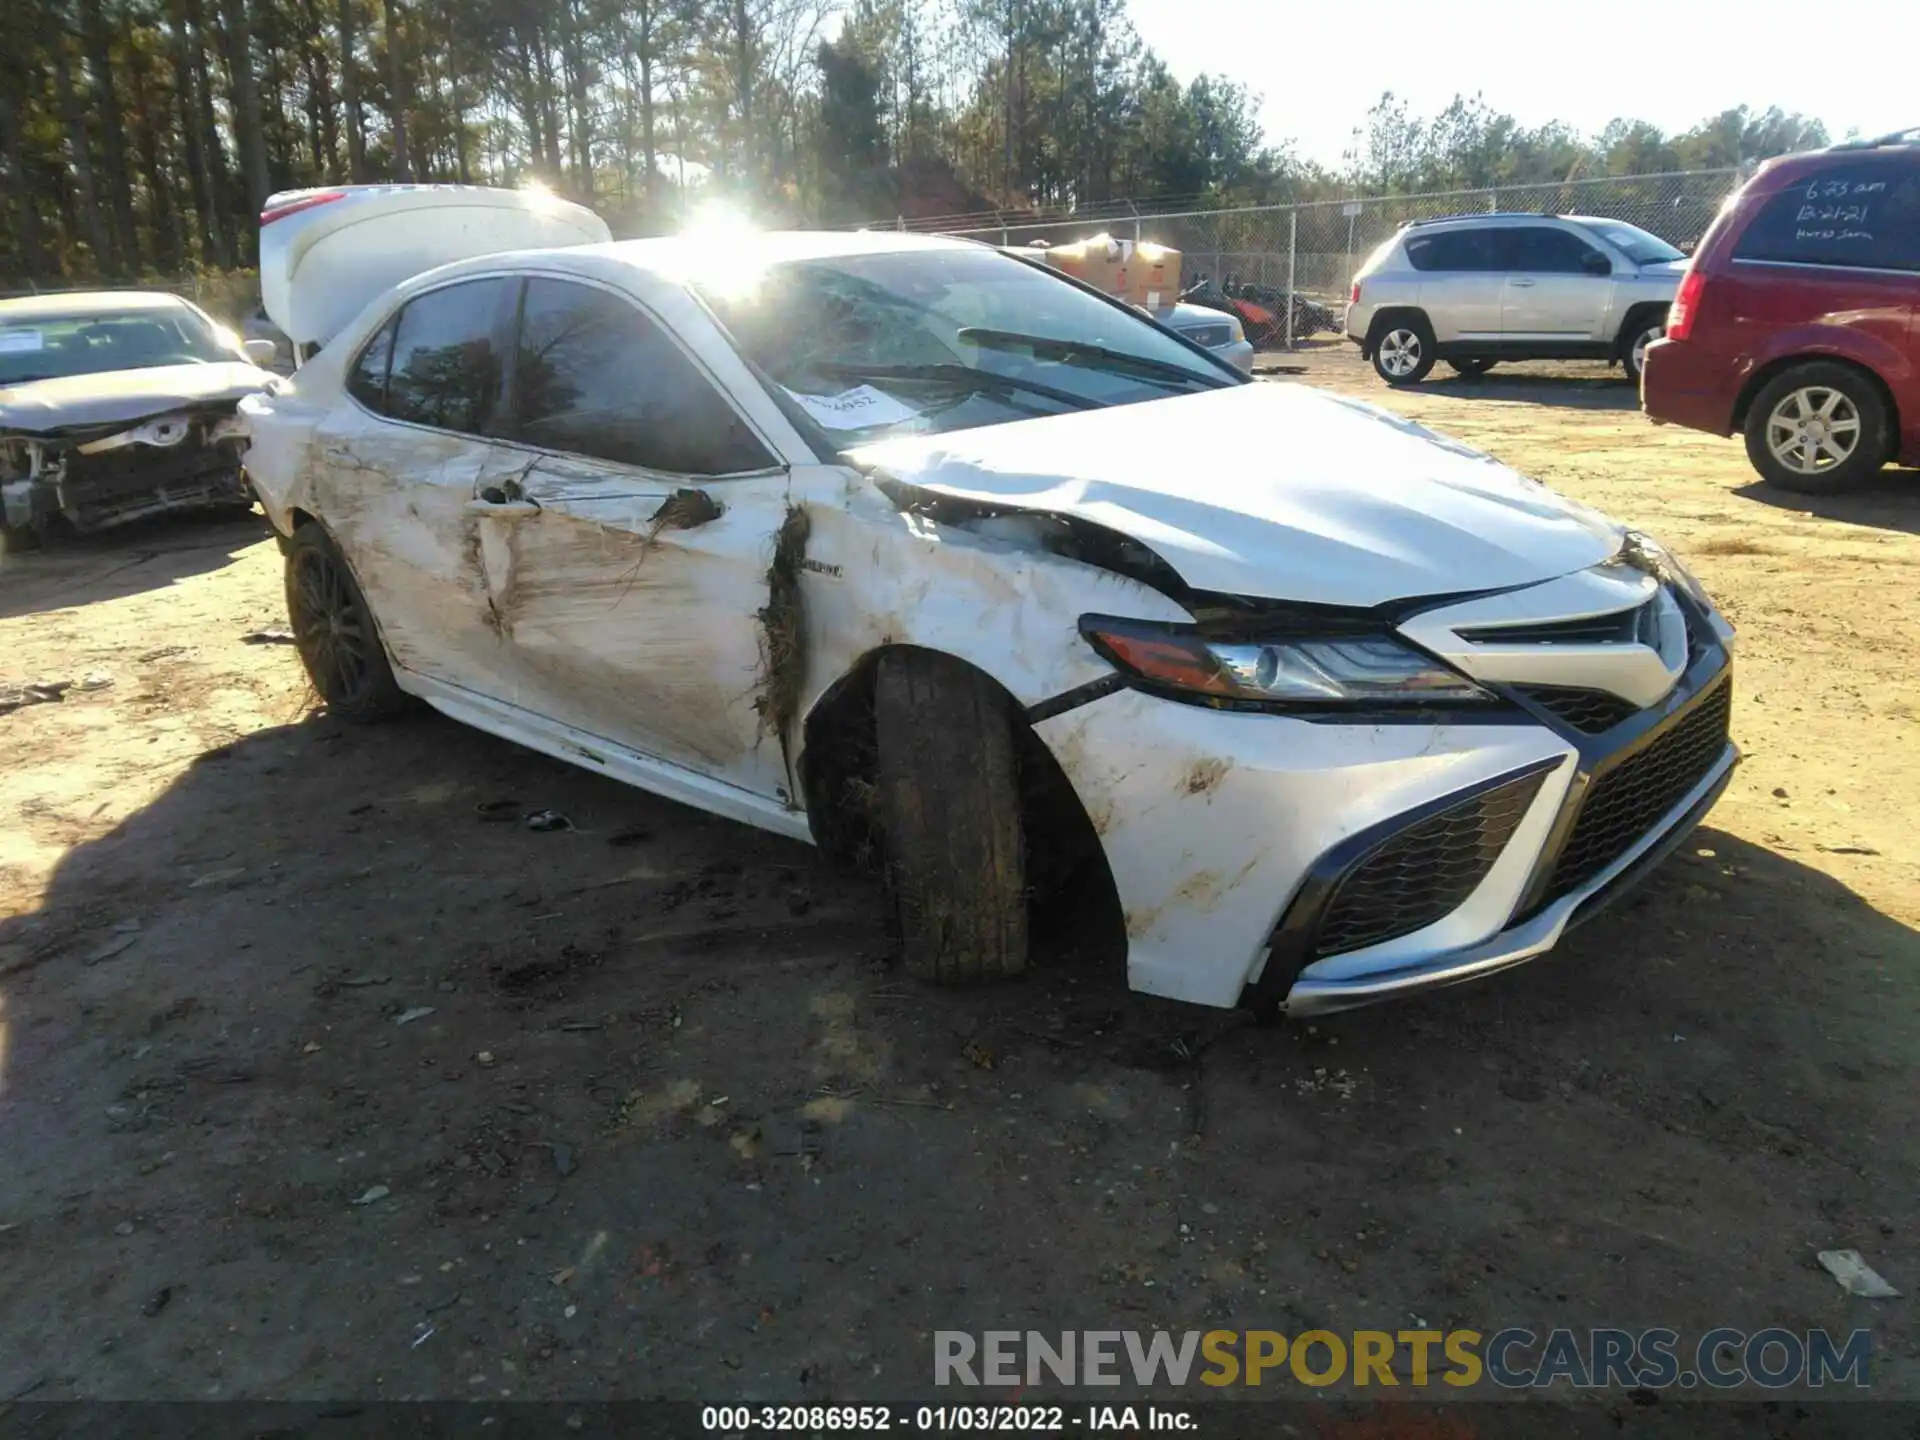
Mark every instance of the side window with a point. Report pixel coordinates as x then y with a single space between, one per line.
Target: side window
445 369
1540 249
367 380
1453 250
594 376
1859 215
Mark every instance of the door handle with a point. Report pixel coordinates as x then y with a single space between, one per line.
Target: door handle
1520 284
504 510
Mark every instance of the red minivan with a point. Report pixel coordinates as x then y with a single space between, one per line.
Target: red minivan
1798 322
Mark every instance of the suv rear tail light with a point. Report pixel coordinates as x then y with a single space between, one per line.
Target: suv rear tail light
294 207
1353 296
1686 304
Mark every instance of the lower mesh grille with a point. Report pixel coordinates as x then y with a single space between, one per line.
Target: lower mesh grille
1624 803
1415 877
1591 712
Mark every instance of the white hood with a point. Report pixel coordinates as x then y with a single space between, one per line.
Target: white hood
124 396
1272 490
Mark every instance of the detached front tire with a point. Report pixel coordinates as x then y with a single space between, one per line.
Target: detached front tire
334 632
950 811
1817 428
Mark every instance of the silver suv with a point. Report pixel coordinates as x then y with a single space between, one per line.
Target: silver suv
1477 289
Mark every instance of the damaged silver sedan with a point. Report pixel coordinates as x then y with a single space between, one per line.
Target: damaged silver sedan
919 551
117 405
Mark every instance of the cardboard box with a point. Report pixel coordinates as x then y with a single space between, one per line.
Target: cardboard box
1153 276
1101 262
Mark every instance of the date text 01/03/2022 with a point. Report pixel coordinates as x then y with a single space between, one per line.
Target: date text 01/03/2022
941 1419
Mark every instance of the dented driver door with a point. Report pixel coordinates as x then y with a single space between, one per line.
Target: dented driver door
626 565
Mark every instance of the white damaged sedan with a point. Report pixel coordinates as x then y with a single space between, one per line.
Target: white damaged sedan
911 548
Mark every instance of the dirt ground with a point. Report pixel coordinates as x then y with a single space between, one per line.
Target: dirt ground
317 1083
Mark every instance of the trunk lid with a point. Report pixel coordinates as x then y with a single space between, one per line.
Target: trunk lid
1275 491
325 254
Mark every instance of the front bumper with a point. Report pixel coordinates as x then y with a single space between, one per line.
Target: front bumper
1228 835
1312 994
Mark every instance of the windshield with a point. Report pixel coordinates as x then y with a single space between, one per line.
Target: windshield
1633 242
924 341
64 345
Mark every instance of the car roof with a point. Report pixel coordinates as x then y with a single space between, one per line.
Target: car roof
1787 168
674 257
86 304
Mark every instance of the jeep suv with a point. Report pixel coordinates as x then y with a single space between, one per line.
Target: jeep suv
1798 324
1477 289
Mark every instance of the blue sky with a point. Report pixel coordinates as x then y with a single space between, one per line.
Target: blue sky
1318 67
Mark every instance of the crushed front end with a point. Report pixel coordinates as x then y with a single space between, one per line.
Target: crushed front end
1318 857
98 476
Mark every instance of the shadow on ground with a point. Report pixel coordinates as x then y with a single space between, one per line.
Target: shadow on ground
1888 501
124 561
1584 391
327 1078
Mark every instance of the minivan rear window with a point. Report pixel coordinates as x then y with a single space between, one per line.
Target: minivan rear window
1853 216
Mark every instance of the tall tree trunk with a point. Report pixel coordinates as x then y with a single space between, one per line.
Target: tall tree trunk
13 166
397 93
549 120
147 120
579 112
350 96
248 122
644 42
99 236
206 208
116 179
219 182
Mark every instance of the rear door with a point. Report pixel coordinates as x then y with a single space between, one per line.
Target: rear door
1460 284
1559 287
400 461
627 568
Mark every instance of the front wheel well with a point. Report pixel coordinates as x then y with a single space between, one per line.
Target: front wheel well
1068 877
1389 316
1637 316
1766 374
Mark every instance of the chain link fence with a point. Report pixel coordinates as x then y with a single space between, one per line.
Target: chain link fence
1312 250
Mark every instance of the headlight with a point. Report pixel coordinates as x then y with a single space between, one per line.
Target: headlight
1347 670
1657 560
1236 329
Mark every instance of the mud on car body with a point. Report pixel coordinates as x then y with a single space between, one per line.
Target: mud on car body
115 405
905 547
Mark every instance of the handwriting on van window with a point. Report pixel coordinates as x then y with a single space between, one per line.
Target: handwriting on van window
1834 189
1844 214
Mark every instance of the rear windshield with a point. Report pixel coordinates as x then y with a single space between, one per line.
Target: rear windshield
1856 215
55 348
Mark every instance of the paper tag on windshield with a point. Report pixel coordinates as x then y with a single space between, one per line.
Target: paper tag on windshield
21 342
860 408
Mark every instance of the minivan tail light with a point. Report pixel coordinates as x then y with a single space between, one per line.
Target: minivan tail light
294 207
1686 304
1353 297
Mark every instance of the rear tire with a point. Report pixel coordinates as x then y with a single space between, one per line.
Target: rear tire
1817 428
1471 366
1403 354
950 813
335 632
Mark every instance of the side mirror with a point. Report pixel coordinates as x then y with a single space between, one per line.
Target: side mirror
1595 263
260 352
